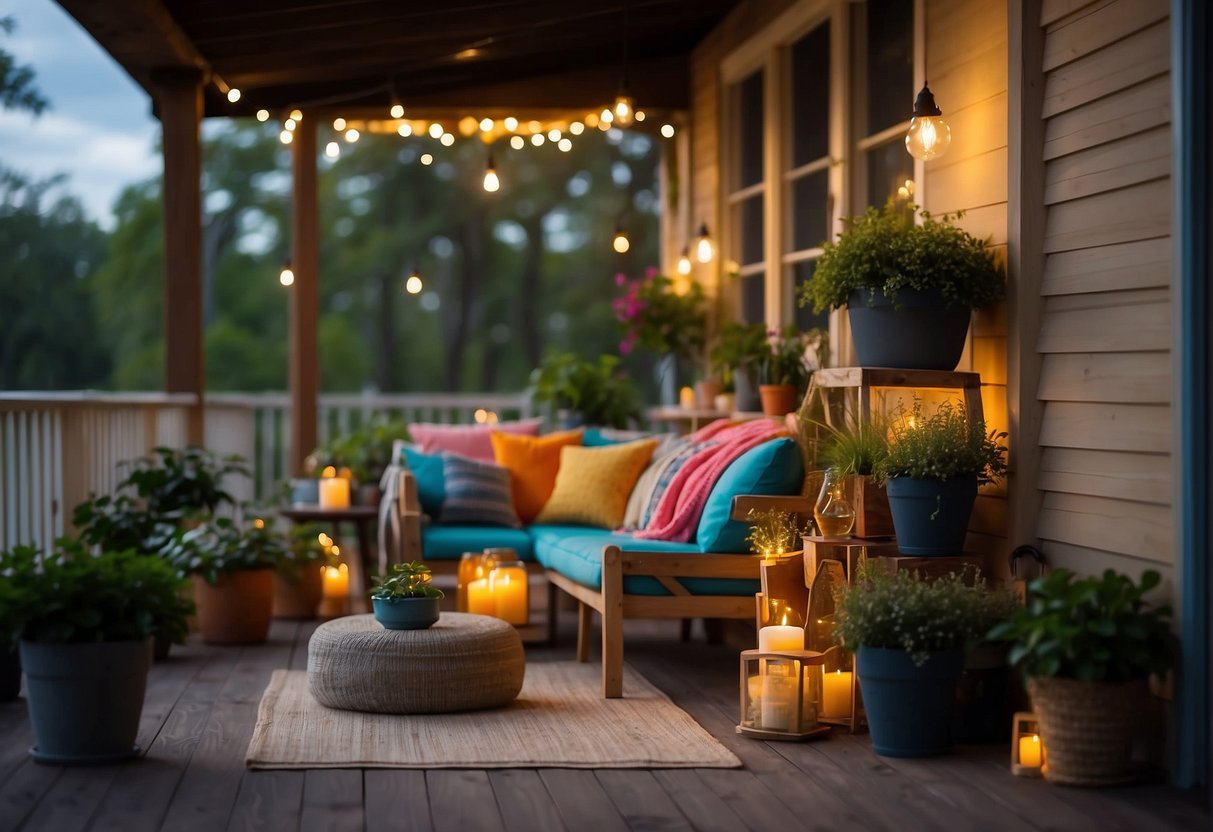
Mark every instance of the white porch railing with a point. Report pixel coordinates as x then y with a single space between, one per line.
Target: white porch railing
58 448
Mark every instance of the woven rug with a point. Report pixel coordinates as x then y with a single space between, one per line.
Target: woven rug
559 720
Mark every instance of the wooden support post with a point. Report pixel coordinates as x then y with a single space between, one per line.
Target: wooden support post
612 623
179 101
304 366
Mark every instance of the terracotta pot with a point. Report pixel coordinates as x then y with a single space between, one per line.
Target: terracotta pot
237 609
297 591
777 399
706 392
872 515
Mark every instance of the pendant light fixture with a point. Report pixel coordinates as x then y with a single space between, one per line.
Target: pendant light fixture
491 181
684 262
287 276
704 250
624 109
413 284
621 243
929 135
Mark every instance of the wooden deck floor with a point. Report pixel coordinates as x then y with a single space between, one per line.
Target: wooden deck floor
202 703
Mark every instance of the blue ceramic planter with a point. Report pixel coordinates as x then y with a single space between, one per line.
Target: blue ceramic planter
931 517
909 707
921 333
406 613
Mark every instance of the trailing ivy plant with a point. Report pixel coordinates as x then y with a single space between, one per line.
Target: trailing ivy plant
1094 629
405 580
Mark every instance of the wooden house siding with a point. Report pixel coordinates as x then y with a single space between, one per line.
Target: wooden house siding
1105 332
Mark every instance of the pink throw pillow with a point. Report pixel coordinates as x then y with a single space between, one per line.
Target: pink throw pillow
473 441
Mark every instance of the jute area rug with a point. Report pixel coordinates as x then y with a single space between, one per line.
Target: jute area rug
559 720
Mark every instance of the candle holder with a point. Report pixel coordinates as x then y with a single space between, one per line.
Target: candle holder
335 598
1028 757
471 568
781 695
508 590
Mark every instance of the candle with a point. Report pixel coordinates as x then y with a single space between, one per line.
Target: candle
778 697
836 694
508 588
780 637
480 600
686 398
336 581
334 492
1029 751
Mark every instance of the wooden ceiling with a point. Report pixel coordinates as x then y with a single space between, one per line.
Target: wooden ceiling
360 55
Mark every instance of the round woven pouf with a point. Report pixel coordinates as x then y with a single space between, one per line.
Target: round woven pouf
462 663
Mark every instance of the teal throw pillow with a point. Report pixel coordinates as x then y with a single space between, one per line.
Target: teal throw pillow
431 484
774 468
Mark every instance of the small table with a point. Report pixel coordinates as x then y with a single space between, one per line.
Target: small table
363 518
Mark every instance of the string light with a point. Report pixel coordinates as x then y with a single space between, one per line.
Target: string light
517 142
405 129
621 243
486 124
397 110
534 127
576 128
352 135
296 114
332 150
703 245
640 115
605 118
427 158
289 124
338 124
413 284
491 182
263 115
929 135
554 134
447 139
287 276
537 139
623 110
684 261
565 145
286 137
233 95
511 124
435 130
667 130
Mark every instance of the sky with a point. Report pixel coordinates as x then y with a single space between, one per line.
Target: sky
99 129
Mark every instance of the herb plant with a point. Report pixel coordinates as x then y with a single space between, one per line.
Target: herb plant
405 580
1095 629
855 448
941 446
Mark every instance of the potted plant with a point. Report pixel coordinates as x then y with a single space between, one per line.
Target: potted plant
85 625
233 570
585 392
909 281
785 368
1087 647
365 452
931 473
299 578
735 357
665 317
10 657
855 449
405 599
909 635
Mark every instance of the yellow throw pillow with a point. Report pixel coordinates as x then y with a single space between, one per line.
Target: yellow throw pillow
532 462
593 484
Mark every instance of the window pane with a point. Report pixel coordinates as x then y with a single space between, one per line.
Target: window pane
811 96
889 166
753 299
810 223
805 319
751 230
749 127
890 62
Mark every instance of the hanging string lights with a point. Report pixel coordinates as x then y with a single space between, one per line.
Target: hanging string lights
491 181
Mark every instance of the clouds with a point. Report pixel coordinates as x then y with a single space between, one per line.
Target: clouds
99 129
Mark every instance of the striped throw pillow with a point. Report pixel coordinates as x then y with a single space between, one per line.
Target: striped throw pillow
477 493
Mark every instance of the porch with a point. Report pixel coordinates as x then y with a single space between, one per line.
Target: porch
202 704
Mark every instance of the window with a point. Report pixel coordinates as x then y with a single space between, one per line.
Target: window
747 195
884 71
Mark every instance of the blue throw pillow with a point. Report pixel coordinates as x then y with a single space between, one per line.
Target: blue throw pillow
774 468
431 485
600 437
477 493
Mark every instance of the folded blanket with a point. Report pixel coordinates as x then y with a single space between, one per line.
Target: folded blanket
677 515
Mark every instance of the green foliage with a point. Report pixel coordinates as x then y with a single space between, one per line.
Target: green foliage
773 532
598 391
222 545
405 580
1094 629
366 451
884 249
941 446
855 448
791 356
906 611
656 316
74 597
17 90
739 348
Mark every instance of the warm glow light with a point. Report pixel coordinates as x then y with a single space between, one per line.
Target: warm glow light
537 139
286 137
486 124
338 124
328 472
640 115
667 130
576 128
591 119
565 145
397 111
352 135
467 54
413 285
491 182
684 262
233 95
436 130
928 137
621 243
263 115
405 129
427 159
554 134
703 245
447 139
517 142
289 124
258 523
481 415
511 123
605 117
467 126
332 150
534 127
623 110
286 277
297 115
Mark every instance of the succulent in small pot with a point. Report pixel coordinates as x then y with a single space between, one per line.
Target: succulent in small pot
405 598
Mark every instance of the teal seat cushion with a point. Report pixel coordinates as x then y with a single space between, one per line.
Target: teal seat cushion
431 484
439 542
576 553
774 468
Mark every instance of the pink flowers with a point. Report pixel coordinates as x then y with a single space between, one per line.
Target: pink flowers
656 318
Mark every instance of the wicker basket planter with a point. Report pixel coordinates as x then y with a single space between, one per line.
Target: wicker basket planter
1088 728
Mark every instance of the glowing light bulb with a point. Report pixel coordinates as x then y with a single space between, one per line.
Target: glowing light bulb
511 123
332 150
447 139
565 145
517 142
405 129
703 245
263 115
352 135
286 137
338 124
414 285
640 115
554 134
297 115
576 128
605 117
289 124
233 95
486 124
684 262
427 158
534 127
491 182
621 243
397 111
623 110
537 139
286 277
667 130
929 135
436 130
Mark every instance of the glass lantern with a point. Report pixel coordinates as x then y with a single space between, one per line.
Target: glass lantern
1028 756
471 568
781 694
508 590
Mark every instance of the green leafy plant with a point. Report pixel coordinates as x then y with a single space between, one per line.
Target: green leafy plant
598 391
405 580
787 359
907 611
941 446
222 545
886 250
1095 629
366 451
855 448
773 532
70 596
664 317
739 348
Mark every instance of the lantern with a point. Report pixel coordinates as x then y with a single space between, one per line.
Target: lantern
781 694
1027 751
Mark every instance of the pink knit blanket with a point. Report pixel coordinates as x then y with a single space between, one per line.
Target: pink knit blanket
678 512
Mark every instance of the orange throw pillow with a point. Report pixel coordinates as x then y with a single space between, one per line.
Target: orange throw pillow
533 462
